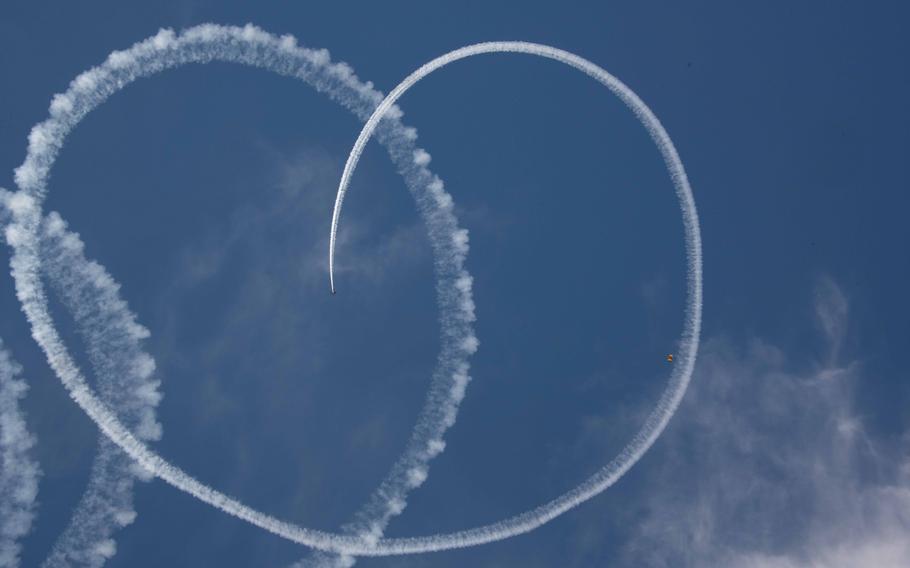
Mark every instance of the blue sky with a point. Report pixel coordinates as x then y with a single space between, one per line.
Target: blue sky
207 192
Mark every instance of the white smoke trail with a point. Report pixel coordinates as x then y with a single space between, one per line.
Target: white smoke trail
112 338
19 472
123 373
688 348
250 46
124 378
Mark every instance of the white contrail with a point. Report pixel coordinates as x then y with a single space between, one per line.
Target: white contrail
251 46
124 378
19 472
123 373
682 371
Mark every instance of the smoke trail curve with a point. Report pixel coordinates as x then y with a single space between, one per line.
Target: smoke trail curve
19 472
31 178
252 46
124 377
682 371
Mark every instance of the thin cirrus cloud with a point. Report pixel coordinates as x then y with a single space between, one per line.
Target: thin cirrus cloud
296 211
778 467
297 206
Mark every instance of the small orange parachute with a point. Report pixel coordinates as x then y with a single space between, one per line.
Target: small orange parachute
669 357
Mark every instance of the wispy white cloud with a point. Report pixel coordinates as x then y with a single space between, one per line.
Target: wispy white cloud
771 466
123 374
295 208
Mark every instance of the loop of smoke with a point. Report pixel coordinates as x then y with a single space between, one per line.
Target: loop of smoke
253 46
688 347
113 337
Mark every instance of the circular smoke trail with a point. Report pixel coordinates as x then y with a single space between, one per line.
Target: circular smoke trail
22 235
251 46
20 471
688 345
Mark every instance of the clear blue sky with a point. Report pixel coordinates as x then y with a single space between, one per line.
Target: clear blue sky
207 192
